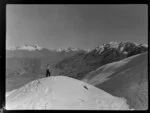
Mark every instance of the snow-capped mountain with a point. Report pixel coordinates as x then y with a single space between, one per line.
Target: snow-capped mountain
110 45
29 47
120 46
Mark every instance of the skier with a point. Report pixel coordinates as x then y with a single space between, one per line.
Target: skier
48 70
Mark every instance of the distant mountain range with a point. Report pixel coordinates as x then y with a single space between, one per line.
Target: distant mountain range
35 47
122 46
81 63
35 51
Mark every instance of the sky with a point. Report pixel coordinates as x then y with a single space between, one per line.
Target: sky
77 26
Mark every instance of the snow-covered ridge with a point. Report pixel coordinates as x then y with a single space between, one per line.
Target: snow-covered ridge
62 92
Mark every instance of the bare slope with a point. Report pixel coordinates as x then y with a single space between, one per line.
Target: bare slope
62 93
127 78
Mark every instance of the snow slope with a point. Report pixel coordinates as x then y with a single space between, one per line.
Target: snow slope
62 93
127 78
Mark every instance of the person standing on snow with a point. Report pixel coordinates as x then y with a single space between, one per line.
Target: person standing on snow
48 70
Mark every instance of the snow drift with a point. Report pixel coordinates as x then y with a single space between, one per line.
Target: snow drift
62 92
